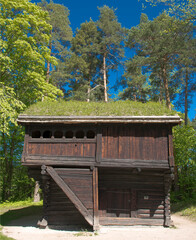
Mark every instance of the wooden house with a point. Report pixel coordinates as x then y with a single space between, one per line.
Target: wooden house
101 170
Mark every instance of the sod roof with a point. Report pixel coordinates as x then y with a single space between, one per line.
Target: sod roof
118 108
98 112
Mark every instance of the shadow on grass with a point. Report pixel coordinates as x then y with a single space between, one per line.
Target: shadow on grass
182 205
27 216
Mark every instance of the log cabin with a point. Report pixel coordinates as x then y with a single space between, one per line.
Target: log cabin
101 170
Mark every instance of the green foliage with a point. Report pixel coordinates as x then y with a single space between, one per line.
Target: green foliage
14 181
185 9
61 35
118 108
184 208
84 63
158 45
9 108
24 38
111 43
185 158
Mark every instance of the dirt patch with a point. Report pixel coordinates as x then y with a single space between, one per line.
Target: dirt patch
183 230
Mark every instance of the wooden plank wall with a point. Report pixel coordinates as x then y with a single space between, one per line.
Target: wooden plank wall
72 149
80 181
60 210
138 141
146 191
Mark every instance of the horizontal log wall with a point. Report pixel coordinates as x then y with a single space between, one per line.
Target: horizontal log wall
60 210
145 205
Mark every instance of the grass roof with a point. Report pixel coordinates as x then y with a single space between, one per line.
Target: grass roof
118 108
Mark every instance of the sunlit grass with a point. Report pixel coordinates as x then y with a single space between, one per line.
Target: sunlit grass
14 210
185 208
118 108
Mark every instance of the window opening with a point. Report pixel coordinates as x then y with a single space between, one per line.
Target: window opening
58 134
79 134
69 134
90 134
36 134
47 134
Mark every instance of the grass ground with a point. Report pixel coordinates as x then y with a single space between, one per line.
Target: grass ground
185 208
14 210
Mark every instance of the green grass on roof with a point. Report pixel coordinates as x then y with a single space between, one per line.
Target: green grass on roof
118 108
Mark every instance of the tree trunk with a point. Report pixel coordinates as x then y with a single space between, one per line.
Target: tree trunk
165 81
88 94
48 72
48 63
105 78
186 98
36 196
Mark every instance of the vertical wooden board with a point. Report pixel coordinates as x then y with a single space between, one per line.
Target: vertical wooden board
110 142
78 150
131 142
99 144
127 141
148 144
170 147
164 145
86 149
120 143
92 149
115 142
30 148
53 149
154 147
60 149
137 143
69 149
38 148
124 142
104 142
141 131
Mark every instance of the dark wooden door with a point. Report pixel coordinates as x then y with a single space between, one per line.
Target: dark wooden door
116 202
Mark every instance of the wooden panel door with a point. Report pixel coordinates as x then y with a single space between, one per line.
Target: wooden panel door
115 202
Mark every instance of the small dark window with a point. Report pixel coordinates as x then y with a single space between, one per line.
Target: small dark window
90 134
79 134
36 134
58 134
69 134
47 134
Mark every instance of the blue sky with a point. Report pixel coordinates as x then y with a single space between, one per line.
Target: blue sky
127 11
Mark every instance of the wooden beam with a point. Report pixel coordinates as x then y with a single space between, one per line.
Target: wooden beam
95 200
73 198
99 145
170 148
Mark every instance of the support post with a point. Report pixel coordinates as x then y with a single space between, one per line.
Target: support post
45 185
95 200
167 186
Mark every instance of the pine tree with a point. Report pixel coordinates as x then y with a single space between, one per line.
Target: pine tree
111 43
61 35
158 44
186 67
84 64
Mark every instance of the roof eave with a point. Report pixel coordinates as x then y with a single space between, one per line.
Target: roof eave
27 119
